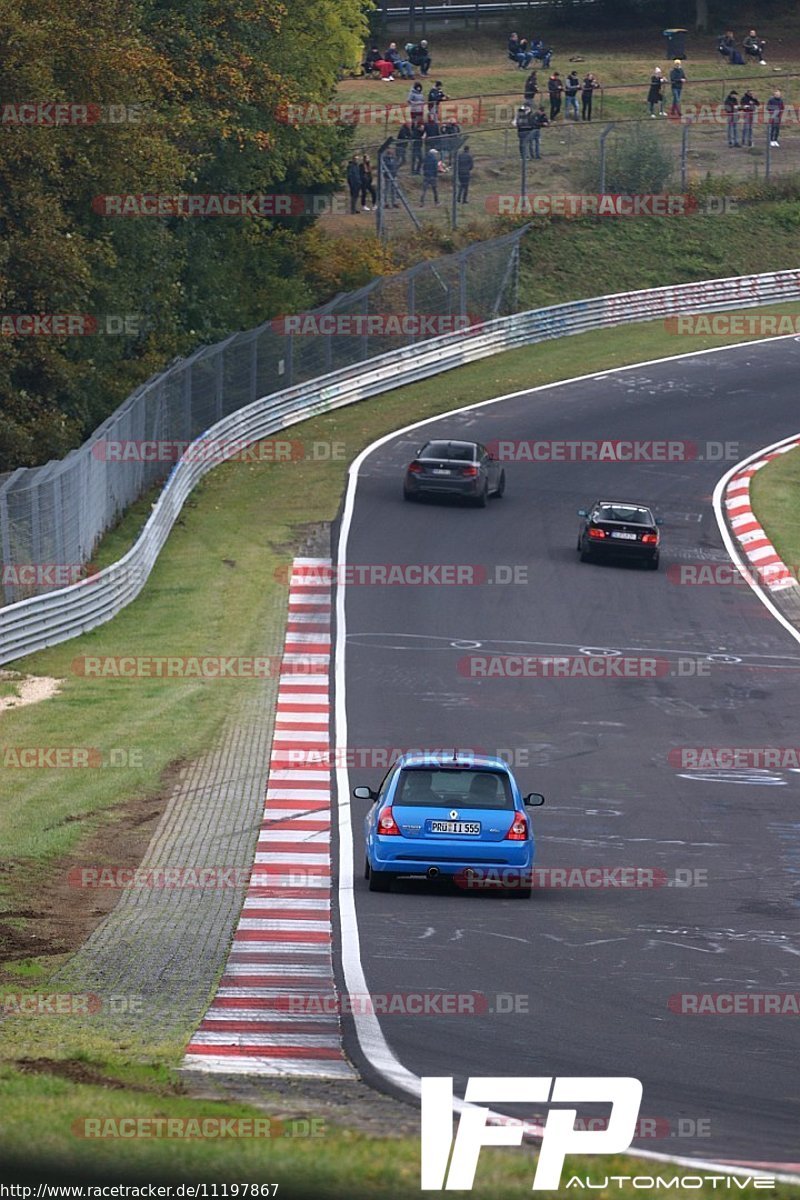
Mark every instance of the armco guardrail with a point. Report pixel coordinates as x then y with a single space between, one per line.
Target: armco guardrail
56 616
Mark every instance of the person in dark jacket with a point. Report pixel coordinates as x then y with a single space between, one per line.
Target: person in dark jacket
588 88
419 56
775 107
370 59
748 105
541 52
531 89
435 98
367 185
555 87
433 134
538 123
754 47
727 45
523 122
390 166
516 53
403 142
465 163
677 78
572 85
353 183
430 177
655 96
731 106
417 146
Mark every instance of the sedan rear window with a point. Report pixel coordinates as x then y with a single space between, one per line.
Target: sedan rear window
621 512
455 451
462 788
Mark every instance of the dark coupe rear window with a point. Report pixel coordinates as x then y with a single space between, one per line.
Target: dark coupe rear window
455 451
623 512
461 788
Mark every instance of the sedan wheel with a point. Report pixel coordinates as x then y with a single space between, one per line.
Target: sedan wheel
482 500
380 881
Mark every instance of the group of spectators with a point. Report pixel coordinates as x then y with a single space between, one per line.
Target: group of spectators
658 81
392 62
744 108
436 146
753 47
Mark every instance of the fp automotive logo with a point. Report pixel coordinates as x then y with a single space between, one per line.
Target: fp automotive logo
560 1137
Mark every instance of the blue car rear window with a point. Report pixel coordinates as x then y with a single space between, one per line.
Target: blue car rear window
457 787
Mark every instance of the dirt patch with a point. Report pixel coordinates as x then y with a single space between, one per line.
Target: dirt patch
350 1105
55 916
79 1072
30 689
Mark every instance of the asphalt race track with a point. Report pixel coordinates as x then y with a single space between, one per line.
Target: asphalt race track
590 972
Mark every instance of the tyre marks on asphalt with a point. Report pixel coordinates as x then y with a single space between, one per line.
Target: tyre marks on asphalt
276 1011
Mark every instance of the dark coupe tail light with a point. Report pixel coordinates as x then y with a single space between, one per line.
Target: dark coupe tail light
649 539
596 533
414 468
471 471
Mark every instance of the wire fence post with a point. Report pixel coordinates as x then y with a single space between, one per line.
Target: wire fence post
454 193
603 137
684 150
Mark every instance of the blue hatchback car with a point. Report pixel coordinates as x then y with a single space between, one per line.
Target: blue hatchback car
436 815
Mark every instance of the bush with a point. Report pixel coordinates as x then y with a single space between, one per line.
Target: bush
636 164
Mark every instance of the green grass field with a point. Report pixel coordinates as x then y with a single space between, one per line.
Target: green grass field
486 88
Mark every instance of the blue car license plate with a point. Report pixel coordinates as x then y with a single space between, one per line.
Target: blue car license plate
471 828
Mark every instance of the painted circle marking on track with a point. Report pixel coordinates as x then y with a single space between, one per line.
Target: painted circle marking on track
723 658
599 651
466 645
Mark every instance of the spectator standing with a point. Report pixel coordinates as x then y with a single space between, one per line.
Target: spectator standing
367 185
588 88
754 47
433 133
731 106
539 123
465 163
419 56
677 78
390 167
403 142
417 146
400 65
748 105
435 98
531 88
353 183
572 85
430 177
555 88
656 94
523 123
416 102
775 107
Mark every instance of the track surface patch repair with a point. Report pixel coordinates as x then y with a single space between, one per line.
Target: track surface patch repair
276 1010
